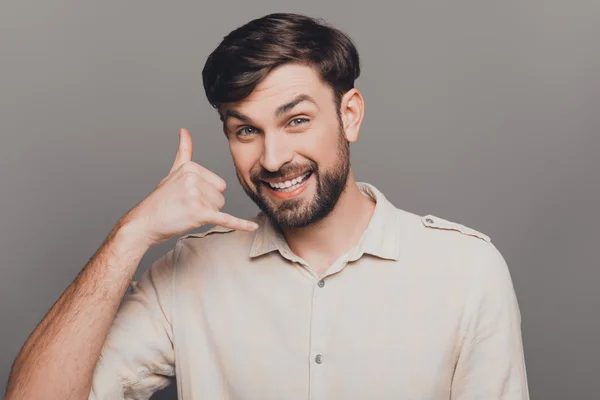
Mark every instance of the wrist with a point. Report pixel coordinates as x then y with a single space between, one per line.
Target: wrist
130 237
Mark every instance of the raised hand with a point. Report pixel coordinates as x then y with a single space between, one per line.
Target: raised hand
188 197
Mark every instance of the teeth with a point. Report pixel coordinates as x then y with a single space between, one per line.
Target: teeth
290 183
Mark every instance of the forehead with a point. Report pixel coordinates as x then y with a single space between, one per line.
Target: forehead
280 86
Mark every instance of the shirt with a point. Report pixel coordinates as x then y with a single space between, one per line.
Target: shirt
420 308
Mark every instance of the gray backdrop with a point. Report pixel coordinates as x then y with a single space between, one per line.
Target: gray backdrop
485 113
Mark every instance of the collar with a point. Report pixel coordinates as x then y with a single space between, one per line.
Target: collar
379 239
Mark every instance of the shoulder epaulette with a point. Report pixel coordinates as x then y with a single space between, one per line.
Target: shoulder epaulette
431 221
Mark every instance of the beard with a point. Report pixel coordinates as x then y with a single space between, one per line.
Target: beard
298 213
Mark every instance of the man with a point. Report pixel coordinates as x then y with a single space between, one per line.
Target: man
331 292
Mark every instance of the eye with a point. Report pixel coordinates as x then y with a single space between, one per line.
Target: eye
298 121
245 131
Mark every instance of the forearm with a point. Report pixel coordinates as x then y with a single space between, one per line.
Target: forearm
59 358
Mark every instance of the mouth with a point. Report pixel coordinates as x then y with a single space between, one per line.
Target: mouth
289 188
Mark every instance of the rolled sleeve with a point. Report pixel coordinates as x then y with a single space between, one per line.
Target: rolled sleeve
137 358
491 363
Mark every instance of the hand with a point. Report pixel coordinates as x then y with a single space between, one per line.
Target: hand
188 197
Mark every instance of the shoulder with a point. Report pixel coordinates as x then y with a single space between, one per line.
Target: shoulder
445 242
196 253
437 231
454 239
470 248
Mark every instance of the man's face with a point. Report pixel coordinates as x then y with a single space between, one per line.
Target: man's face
288 146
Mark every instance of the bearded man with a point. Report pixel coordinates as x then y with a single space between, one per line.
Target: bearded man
330 292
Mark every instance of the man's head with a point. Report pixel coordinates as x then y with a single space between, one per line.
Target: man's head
284 88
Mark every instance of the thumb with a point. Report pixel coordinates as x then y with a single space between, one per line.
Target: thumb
184 152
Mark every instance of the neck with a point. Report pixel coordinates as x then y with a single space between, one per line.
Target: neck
323 242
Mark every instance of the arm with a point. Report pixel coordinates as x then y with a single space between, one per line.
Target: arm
491 363
59 357
138 358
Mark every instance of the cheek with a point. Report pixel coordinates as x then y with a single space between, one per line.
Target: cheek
245 157
321 145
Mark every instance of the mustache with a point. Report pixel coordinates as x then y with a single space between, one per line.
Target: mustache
286 171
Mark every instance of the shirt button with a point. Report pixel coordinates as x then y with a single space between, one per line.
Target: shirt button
319 359
321 283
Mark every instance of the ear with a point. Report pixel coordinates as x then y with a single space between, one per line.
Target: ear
352 110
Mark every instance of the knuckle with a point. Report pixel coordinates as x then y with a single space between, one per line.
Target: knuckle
220 200
190 179
194 192
226 219
187 166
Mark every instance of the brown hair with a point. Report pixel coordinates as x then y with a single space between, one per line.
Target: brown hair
246 55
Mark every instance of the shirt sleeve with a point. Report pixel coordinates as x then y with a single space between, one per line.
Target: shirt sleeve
491 363
137 358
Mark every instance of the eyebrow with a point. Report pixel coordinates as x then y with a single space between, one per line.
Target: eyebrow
230 113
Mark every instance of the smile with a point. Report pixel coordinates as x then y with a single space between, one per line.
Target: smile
289 185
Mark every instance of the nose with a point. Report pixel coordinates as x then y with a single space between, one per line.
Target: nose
276 151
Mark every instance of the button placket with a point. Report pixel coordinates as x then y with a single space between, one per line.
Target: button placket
319 337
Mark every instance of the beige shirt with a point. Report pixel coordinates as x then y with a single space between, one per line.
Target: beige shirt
420 308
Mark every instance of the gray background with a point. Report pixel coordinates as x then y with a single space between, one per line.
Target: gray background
485 113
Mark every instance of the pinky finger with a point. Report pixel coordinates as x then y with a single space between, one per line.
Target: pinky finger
229 221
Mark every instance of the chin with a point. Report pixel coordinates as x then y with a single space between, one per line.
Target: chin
302 216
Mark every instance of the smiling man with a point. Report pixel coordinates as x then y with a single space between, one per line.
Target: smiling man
331 292
290 144
297 174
